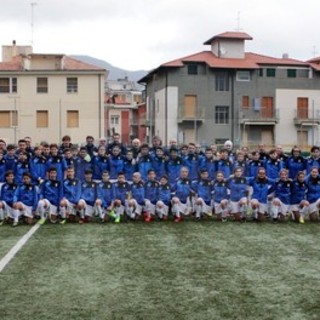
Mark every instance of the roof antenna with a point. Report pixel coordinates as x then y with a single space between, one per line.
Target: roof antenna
238 27
33 4
314 51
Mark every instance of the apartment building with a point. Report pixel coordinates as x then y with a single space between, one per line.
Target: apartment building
228 93
47 96
124 110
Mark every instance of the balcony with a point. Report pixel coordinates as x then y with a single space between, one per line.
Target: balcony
307 117
191 117
259 116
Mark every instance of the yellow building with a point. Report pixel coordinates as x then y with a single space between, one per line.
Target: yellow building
47 96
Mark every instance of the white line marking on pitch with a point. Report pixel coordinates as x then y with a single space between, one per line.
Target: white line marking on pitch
14 250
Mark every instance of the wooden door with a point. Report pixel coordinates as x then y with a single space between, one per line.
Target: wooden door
267 107
302 108
190 105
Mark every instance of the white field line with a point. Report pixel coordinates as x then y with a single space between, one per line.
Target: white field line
14 250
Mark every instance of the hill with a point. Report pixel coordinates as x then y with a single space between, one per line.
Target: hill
114 72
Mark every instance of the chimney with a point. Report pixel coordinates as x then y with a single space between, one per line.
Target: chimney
285 56
14 48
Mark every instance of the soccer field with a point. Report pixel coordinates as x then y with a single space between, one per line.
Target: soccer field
190 270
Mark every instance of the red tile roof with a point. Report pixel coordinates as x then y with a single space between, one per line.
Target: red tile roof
315 66
230 35
14 65
70 64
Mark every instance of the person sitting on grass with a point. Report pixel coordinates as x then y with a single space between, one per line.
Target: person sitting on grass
151 187
71 196
25 200
50 195
299 205
262 187
104 197
204 189
136 203
164 198
122 191
86 204
313 194
282 195
6 199
182 200
221 197
239 192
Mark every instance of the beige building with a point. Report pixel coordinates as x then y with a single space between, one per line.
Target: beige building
47 96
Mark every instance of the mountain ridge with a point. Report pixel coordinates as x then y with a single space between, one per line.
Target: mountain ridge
115 73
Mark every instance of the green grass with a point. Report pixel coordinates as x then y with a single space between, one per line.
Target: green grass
164 271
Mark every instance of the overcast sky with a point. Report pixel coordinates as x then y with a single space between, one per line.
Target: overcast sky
142 34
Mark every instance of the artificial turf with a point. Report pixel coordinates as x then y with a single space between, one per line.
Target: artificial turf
164 271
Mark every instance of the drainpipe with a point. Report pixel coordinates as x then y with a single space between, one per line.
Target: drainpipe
166 111
232 108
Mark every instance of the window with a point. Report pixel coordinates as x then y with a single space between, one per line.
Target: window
222 81
42 119
261 72
243 75
8 119
5 85
291 73
114 120
14 85
222 114
8 85
42 85
245 102
72 85
192 69
271 72
137 98
72 118
220 141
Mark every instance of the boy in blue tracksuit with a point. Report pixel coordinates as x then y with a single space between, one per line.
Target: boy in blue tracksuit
164 198
100 163
10 157
203 189
159 163
314 160
129 165
50 195
21 166
2 168
239 192
193 162
295 163
174 165
313 194
151 187
82 164
262 186
220 196
6 198
224 164
254 164
209 163
298 203
25 199
38 166
183 194
122 190
274 165
105 195
86 204
116 162
56 160
144 162
136 200
71 196
282 193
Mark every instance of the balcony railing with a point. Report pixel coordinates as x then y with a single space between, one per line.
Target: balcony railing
198 115
306 117
262 115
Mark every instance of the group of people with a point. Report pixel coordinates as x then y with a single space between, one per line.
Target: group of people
113 182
